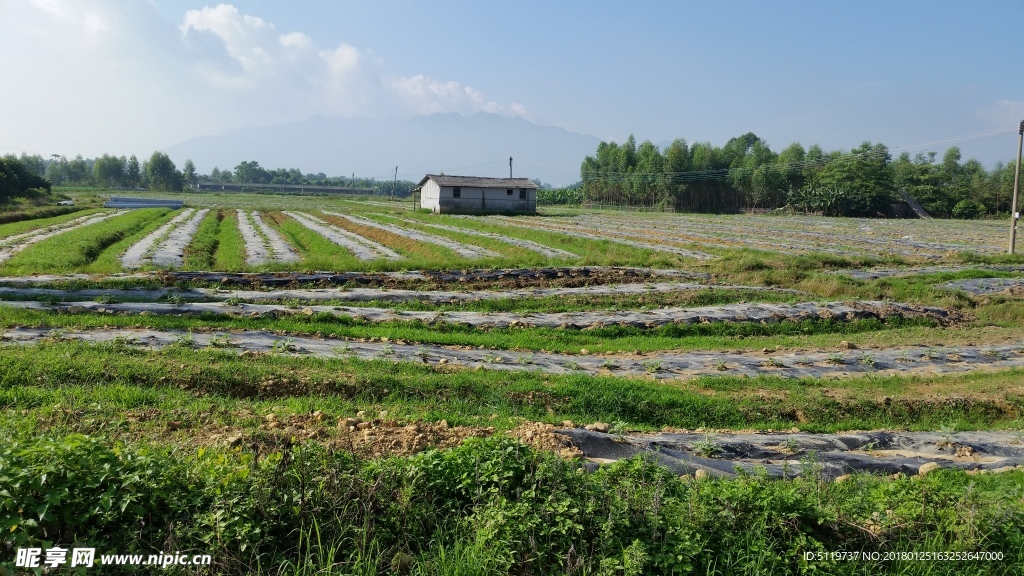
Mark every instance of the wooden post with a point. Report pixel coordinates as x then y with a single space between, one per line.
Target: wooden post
1016 187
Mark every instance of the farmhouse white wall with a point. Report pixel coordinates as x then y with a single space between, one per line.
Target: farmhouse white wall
475 198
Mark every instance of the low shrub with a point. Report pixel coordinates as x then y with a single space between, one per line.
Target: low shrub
491 502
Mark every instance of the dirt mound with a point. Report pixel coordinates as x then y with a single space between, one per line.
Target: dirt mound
569 276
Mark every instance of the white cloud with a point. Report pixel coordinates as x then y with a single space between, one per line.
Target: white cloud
426 96
110 76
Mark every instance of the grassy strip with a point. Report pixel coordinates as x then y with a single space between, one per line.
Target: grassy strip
37 213
711 336
105 380
199 255
110 259
21 226
317 252
490 506
74 250
592 252
230 246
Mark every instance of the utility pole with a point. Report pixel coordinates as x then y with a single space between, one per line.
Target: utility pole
1014 215
394 184
510 167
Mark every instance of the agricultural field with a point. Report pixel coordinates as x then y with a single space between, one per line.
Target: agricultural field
340 386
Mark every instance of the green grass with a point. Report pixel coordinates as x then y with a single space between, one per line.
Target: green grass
76 250
524 256
20 226
110 259
316 252
230 253
155 469
608 339
591 252
36 382
199 255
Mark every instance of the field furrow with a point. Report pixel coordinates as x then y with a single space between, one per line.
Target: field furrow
578 232
900 360
369 294
362 248
141 253
171 252
262 243
527 244
280 250
13 244
256 250
464 250
927 239
762 313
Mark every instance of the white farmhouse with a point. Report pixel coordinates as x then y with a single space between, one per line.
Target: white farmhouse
474 195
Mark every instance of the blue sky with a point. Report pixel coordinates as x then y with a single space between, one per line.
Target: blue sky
128 77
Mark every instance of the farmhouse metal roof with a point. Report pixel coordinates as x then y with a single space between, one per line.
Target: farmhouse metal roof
478 182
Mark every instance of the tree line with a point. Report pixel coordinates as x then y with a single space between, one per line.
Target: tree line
158 172
250 172
746 174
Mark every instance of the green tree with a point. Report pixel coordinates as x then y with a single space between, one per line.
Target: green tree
57 170
647 183
162 173
188 173
675 165
18 180
78 172
133 172
109 171
864 179
250 172
791 163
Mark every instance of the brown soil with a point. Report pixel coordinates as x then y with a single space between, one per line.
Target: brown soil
393 241
370 436
441 280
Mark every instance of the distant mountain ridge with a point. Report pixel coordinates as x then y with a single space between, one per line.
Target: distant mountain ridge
476 145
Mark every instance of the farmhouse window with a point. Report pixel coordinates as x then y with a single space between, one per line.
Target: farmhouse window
457 192
522 194
508 192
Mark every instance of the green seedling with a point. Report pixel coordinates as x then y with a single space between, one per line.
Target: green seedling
706 447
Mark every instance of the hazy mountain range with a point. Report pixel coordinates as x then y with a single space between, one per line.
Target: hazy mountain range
476 145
